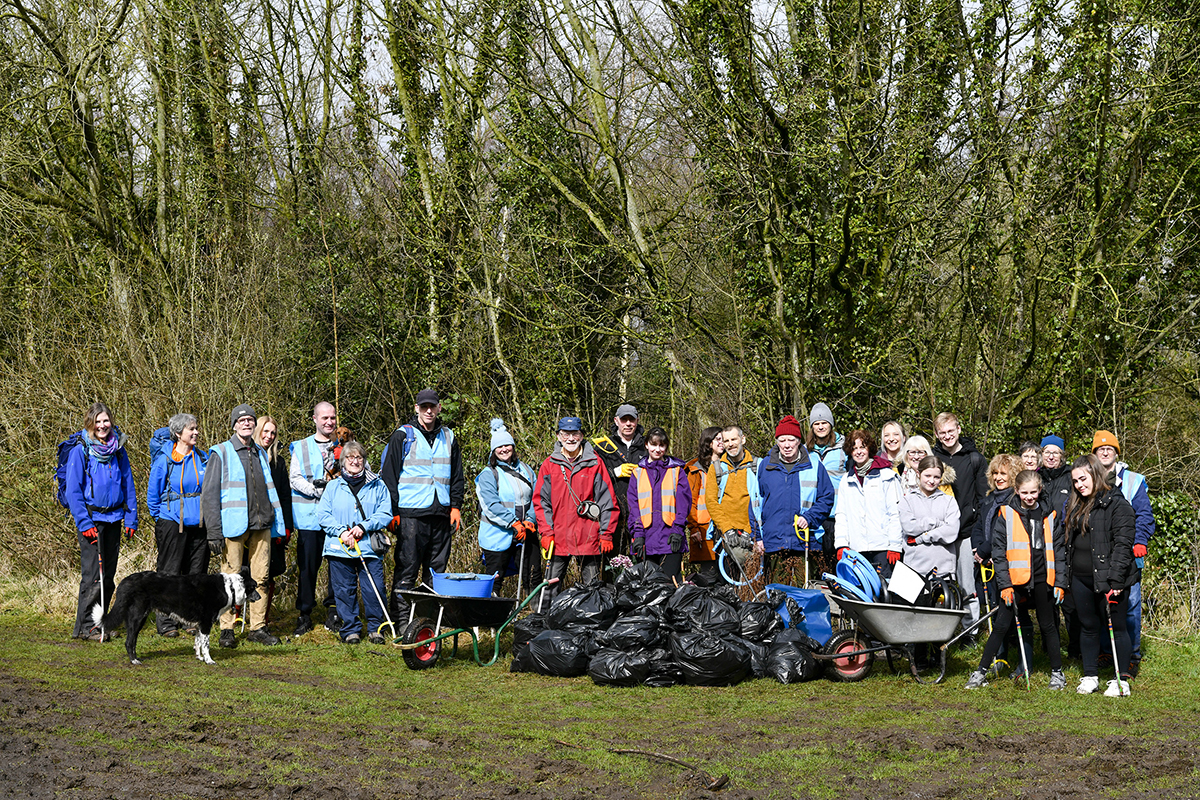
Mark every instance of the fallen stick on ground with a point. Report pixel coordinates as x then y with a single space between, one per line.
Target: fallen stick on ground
710 783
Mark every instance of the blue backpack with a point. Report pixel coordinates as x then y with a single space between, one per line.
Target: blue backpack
60 474
160 445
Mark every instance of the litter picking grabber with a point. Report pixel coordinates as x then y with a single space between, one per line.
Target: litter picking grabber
547 554
804 540
1021 641
985 573
378 596
1122 687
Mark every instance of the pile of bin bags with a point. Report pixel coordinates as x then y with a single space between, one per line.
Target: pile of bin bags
645 631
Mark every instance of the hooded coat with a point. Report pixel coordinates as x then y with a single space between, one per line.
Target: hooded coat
100 492
970 483
658 534
699 520
868 518
1032 520
729 510
782 498
933 522
981 531
561 486
1110 531
338 511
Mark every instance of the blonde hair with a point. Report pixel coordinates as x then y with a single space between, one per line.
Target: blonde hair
261 423
1007 462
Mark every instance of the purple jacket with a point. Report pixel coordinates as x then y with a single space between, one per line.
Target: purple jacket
657 535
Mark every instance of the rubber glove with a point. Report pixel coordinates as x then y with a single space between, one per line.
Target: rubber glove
456 519
319 483
90 534
1059 594
129 534
606 545
1113 595
639 549
912 541
215 546
287 537
893 556
675 542
1139 551
1008 596
519 530
625 470
841 551
394 525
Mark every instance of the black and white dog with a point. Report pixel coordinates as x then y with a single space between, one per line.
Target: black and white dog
190 599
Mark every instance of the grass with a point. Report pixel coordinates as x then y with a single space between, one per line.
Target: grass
307 713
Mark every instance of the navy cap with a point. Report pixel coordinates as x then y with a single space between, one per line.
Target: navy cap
428 397
570 424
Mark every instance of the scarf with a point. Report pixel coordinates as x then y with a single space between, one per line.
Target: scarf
355 482
861 471
103 451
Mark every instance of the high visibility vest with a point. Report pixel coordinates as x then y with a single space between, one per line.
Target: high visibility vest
312 464
645 495
702 515
235 505
1018 547
426 470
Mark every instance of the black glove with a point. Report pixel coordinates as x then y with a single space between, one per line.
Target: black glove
320 483
675 541
215 546
639 549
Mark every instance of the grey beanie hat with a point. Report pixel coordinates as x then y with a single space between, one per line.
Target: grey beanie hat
820 413
240 411
500 434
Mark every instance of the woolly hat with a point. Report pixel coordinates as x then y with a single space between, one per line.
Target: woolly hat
1105 438
820 413
500 434
1056 441
789 426
241 411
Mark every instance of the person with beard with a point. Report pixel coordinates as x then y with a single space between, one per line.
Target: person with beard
621 450
504 489
727 492
422 468
970 487
794 498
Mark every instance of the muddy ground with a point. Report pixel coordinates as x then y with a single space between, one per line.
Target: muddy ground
41 757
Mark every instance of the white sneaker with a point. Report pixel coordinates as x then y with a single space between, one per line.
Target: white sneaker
1088 684
1117 688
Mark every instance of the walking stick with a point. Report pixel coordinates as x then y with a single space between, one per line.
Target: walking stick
1122 688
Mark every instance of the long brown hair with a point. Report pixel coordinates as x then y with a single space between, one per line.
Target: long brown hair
1079 508
89 419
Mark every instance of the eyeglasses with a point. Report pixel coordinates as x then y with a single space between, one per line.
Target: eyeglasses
354 458
918 452
245 421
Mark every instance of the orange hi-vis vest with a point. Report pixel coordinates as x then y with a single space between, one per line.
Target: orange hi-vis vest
702 515
1018 546
645 492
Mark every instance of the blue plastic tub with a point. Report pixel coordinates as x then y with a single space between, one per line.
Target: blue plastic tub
463 584
814 604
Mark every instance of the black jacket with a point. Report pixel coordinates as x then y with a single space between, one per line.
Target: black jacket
393 464
970 482
1033 519
1056 485
614 452
1111 529
981 532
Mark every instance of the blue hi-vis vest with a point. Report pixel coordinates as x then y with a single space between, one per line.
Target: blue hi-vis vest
235 506
1131 482
426 469
494 534
312 464
807 484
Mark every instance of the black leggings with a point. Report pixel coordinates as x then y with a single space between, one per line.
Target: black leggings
1093 620
1040 594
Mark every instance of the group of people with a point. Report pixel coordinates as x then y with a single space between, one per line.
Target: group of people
1053 533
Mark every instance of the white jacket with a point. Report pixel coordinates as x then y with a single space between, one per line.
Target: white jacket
868 516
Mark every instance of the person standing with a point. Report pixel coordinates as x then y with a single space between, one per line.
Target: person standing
242 512
727 492
929 521
102 500
422 468
576 511
504 489
1133 488
700 549
266 436
869 499
1056 475
829 446
173 499
793 501
622 449
891 442
313 466
970 487
659 498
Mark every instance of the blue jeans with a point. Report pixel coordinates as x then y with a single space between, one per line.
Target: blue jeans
346 577
1133 621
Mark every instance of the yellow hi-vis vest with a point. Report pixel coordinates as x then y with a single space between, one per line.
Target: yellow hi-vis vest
1018 547
645 492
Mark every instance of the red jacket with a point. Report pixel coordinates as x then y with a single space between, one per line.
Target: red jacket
555 502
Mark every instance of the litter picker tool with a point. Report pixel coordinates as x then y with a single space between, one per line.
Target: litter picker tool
804 540
986 573
547 554
1122 687
1021 641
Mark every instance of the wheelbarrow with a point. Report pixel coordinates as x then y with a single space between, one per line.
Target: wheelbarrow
431 613
891 629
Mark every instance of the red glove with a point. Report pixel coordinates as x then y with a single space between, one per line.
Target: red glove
287 537
394 525
129 534
840 552
90 534
456 519
912 541
1008 596
1139 551
893 556
606 545
547 541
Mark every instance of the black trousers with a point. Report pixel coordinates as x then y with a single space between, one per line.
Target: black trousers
106 547
589 572
1093 619
422 544
671 564
180 552
1043 603
309 545
529 562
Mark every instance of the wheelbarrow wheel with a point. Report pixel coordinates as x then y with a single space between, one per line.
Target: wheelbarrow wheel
426 655
851 668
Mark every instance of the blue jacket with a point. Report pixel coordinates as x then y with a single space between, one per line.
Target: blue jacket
100 492
503 503
785 490
173 483
337 511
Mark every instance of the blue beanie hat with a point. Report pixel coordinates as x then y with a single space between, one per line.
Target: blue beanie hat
1057 441
500 434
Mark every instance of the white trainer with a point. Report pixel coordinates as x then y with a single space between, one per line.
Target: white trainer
1088 684
1117 688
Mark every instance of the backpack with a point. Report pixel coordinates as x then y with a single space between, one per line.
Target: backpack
60 474
160 446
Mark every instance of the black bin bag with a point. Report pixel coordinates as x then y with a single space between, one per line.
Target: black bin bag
560 654
584 608
709 660
693 608
643 585
619 668
640 630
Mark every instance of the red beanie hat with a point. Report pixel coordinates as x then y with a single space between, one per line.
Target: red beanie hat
788 426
